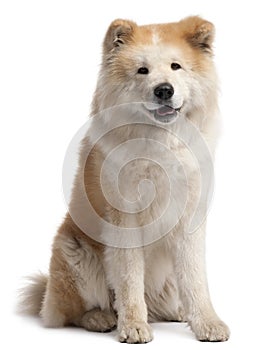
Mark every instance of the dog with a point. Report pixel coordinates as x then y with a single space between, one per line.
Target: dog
134 262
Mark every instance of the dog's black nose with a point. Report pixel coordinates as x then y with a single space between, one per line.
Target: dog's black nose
164 91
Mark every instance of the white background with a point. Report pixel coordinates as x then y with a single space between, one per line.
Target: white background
50 53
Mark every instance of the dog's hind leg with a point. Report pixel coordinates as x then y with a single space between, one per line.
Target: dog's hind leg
98 320
77 293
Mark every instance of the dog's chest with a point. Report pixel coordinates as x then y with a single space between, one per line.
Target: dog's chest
141 174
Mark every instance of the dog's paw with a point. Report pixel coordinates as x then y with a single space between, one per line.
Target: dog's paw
98 320
213 330
135 333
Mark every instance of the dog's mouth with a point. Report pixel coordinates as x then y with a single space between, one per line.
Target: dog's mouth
164 113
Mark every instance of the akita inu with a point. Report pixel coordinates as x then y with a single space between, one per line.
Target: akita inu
159 76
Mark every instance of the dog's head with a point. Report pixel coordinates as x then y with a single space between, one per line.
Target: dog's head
166 67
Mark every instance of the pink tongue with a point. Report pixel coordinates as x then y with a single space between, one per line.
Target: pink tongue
165 110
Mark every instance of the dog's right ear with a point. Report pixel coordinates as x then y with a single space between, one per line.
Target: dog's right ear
119 33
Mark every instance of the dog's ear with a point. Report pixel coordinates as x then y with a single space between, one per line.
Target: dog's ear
119 33
199 33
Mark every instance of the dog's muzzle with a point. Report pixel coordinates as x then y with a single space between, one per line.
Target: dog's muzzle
162 113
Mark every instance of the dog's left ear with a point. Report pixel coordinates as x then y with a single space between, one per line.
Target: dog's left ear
199 32
119 33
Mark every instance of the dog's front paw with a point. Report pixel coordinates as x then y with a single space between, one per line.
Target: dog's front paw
135 333
213 330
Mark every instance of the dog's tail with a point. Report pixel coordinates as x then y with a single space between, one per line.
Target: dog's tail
31 296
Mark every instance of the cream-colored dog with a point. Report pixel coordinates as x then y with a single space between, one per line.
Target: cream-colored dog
134 261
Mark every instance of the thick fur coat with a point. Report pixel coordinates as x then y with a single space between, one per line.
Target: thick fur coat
165 74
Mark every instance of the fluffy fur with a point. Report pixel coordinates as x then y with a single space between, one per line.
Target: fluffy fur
97 286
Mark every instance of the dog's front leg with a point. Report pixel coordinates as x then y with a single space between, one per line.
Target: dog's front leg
125 271
193 287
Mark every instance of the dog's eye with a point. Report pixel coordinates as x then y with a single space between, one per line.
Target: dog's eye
175 66
143 70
